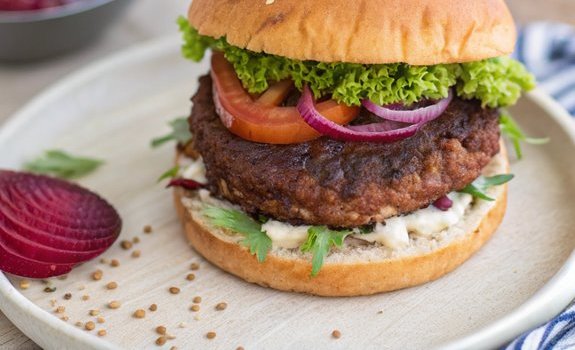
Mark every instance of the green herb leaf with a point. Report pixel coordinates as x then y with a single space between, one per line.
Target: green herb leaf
170 174
513 132
319 241
60 164
478 187
497 82
255 239
180 133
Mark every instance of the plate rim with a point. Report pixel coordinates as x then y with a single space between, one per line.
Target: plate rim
543 305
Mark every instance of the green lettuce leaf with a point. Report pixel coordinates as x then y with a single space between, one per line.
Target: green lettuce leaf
63 165
180 133
254 238
497 82
478 187
319 241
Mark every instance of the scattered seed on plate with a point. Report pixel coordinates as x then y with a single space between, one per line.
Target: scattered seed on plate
221 306
126 244
103 261
211 335
79 324
102 332
114 304
60 309
194 266
89 326
53 302
85 297
161 340
195 308
65 318
153 307
161 330
62 278
49 289
24 284
112 285
148 229
100 319
136 254
82 287
174 290
97 275
67 296
114 263
183 325
336 334
240 348
197 317
94 312
136 240
191 277
197 299
140 313
174 348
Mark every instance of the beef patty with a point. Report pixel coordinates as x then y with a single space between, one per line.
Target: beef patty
344 184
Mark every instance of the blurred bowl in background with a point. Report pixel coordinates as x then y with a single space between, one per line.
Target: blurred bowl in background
37 34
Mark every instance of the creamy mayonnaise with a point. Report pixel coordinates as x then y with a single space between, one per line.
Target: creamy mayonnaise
394 233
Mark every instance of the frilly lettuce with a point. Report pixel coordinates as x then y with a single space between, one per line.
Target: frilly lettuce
496 82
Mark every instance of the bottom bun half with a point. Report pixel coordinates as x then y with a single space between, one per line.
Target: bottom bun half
352 270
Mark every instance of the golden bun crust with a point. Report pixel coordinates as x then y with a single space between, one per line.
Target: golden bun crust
418 32
348 275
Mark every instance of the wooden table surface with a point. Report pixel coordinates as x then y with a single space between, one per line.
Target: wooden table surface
145 20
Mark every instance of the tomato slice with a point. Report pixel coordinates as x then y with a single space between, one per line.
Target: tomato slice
262 121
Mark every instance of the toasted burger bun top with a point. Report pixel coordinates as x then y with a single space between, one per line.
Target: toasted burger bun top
418 32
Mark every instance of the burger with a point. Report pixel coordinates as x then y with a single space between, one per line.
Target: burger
344 148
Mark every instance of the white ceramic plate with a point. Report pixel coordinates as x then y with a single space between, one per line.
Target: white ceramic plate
111 110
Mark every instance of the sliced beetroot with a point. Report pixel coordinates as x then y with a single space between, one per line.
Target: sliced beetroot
12 262
56 210
52 240
51 225
36 251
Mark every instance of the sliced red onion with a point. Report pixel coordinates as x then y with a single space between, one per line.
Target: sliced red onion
186 184
420 115
443 203
324 126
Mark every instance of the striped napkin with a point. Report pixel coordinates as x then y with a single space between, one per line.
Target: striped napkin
548 51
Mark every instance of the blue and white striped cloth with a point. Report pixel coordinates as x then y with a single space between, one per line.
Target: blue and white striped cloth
548 51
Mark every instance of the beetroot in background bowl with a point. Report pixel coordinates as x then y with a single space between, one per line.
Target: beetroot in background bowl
36 29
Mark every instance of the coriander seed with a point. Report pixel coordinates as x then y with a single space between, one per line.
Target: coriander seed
197 300
221 306
126 244
161 330
148 229
153 307
102 332
195 308
140 313
94 312
114 304
67 296
100 319
89 326
136 254
191 277
161 340
97 275
24 284
174 290
114 263
194 266
211 335
336 334
112 285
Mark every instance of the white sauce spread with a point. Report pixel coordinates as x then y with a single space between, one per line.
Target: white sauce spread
394 233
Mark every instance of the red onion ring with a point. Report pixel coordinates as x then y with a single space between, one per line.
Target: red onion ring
420 115
443 203
324 126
